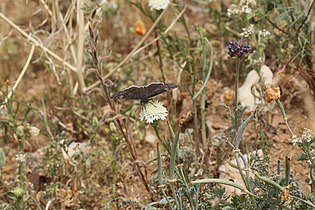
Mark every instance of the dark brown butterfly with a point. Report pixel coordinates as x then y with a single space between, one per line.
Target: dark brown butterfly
143 93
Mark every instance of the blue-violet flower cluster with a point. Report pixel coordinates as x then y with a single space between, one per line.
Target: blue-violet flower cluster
238 50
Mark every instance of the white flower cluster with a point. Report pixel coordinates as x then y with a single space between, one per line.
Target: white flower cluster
153 110
233 10
244 7
158 4
248 31
307 137
20 158
264 33
296 140
248 2
312 158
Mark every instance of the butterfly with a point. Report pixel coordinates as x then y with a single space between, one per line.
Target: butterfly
143 93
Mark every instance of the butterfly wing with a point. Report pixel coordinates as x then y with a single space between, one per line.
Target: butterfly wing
143 93
155 89
131 93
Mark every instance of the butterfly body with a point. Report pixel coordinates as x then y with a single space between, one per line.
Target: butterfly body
143 93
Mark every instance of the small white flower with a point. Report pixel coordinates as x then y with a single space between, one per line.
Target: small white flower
307 135
295 140
246 9
20 158
248 31
158 4
153 110
233 10
248 2
264 33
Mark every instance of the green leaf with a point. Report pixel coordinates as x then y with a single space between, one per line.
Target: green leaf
302 157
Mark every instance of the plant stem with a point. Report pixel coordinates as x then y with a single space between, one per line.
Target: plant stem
173 155
240 168
287 170
224 182
196 123
81 38
237 75
134 155
196 129
156 130
284 116
160 56
159 163
203 94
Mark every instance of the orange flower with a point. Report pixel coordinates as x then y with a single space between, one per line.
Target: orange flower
7 82
258 191
285 195
272 94
228 95
140 28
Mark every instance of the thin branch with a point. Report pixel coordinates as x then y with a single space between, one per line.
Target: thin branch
277 27
306 17
20 76
162 34
37 43
80 48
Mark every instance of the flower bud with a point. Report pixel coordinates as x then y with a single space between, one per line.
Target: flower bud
18 192
20 131
34 131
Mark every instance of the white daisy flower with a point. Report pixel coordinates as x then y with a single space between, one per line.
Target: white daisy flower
158 4
153 110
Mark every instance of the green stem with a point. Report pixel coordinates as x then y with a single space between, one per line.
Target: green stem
270 182
203 94
173 155
240 130
312 178
196 129
159 162
237 75
225 182
184 181
156 130
287 171
114 169
202 91
239 167
236 118
285 119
